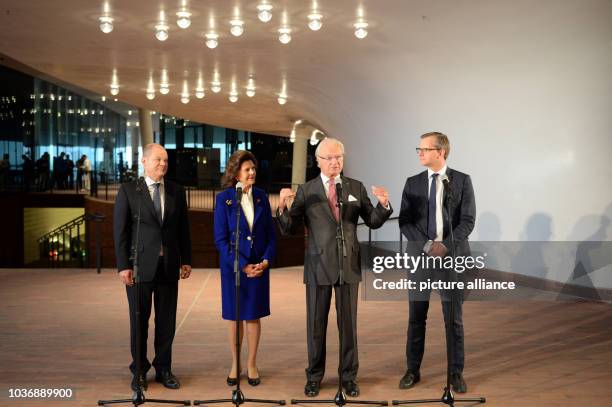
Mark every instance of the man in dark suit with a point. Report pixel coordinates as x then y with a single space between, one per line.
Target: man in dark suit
164 255
424 222
315 205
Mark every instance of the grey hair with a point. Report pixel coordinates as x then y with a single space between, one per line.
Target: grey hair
149 147
328 140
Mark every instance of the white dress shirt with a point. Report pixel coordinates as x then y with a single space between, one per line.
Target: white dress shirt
439 200
162 198
162 191
247 207
326 183
326 186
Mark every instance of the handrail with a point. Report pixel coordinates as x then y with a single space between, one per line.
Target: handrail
68 225
370 232
57 251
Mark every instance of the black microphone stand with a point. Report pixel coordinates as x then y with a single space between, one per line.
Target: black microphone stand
237 395
447 396
340 397
138 398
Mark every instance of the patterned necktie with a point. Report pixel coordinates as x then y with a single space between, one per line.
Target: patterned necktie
157 201
332 200
432 228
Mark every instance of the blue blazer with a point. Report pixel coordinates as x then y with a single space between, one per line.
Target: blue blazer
255 245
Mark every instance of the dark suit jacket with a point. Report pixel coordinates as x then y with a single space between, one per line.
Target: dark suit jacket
414 211
259 243
172 234
311 207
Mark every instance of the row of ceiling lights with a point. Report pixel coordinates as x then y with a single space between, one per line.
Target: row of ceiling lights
264 13
199 91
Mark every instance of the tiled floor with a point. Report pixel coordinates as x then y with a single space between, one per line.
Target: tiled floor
69 329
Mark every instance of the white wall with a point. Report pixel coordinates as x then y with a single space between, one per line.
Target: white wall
524 91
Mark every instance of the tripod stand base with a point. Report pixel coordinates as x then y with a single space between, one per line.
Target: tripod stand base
238 399
447 398
139 398
340 400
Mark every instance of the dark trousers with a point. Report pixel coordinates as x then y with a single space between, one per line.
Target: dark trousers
415 345
318 301
163 296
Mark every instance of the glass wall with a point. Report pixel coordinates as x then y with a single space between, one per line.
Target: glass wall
202 145
45 129
39 118
183 134
70 123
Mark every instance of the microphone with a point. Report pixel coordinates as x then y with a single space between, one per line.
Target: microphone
338 186
448 196
239 187
139 183
445 182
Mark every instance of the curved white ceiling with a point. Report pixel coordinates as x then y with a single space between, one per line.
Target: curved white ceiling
63 39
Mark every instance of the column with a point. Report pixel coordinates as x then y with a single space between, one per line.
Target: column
146 129
135 139
300 155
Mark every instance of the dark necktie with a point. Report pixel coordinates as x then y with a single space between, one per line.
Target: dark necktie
332 200
432 228
157 201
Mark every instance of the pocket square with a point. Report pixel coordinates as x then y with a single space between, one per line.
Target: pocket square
351 198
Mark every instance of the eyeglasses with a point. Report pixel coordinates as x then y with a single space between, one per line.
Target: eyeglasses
330 158
424 150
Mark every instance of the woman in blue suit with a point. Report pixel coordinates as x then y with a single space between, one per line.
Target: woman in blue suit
256 251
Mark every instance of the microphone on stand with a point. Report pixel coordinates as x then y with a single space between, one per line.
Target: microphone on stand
338 186
239 187
447 203
445 182
447 191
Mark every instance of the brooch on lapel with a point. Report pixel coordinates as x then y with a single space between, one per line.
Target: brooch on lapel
228 202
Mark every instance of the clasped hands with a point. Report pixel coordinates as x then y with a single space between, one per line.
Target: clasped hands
255 270
437 250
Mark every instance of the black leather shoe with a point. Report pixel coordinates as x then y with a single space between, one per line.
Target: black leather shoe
253 381
458 383
231 381
312 388
166 378
351 388
409 379
142 380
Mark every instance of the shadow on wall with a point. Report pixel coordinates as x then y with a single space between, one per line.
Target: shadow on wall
488 230
530 257
579 267
593 232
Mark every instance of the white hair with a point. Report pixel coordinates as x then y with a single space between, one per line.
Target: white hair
329 140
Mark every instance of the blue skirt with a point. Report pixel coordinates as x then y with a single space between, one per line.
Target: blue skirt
254 296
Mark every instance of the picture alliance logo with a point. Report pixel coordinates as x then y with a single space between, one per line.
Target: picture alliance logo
403 261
